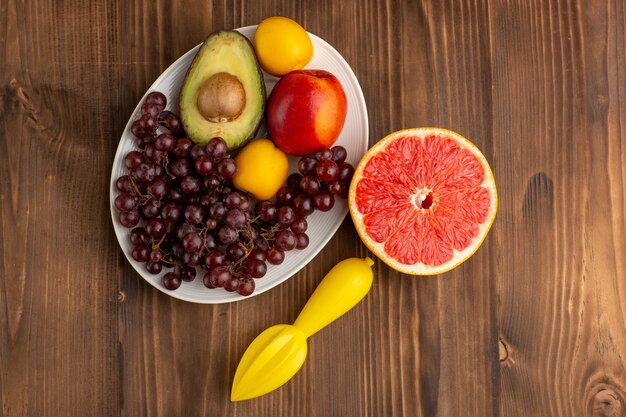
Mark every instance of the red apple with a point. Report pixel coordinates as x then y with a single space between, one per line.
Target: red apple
306 111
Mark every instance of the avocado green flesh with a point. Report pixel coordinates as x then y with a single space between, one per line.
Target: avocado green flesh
230 52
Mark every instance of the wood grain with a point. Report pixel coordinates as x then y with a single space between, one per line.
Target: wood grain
532 325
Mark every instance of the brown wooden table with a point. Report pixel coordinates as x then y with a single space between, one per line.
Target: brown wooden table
532 325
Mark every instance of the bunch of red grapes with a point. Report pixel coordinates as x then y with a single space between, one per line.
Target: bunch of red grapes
185 213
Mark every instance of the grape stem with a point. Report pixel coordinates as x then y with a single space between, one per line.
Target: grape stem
143 199
165 161
166 261
157 245
247 247
268 234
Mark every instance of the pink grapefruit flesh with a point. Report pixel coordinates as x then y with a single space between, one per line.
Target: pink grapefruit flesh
423 200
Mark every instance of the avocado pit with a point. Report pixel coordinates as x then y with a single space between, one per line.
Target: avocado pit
221 98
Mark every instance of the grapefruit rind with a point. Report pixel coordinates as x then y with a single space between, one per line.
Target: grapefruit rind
378 248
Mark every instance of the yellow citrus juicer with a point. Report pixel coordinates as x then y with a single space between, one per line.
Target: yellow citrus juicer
275 356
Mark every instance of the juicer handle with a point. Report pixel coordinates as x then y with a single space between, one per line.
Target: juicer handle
341 289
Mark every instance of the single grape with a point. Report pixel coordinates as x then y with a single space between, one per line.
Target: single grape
244 204
303 241
226 168
214 259
139 236
210 223
293 181
256 268
206 280
154 268
182 147
235 218
164 142
137 130
147 123
246 287
183 229
157 188
187 273
150 209
235 251
285 215
306 165
216 148
299 225
145 172
302 205
258 254
323 201
133 159
345 192
175 195
339 153
323 154
217 210
171 281
129 218
327 170
220 276
156 255
152 153
193 214
125 202
172 123
232 199
285 240
275 256
190 185
123 184
285 195
346 171
266 210
211 182
203 165
227 235
232 284
191 258
180 168
156 228
309 185
209 242
336 187
157 98
197 151
140 253
192 242
151 109
171 212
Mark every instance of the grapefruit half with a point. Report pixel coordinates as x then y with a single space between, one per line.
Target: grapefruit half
423 200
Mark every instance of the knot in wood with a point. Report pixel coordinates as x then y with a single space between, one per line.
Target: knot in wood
606 403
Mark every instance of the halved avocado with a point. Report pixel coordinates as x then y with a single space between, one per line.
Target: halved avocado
223 93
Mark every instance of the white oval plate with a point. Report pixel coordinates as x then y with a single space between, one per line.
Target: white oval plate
322 226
